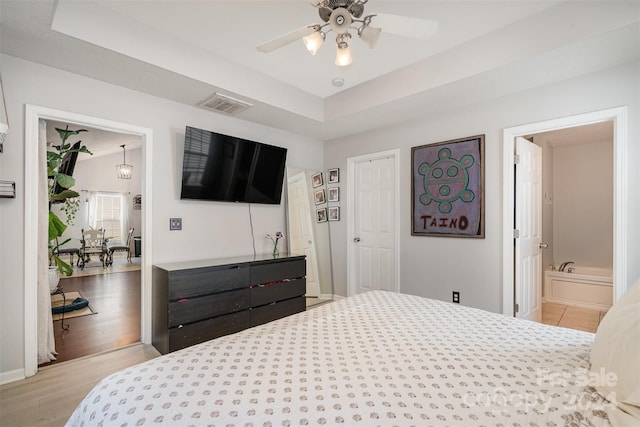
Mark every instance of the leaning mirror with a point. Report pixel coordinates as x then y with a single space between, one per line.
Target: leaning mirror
308 230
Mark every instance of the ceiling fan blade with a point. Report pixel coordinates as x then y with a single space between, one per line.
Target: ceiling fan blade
405 26
285 39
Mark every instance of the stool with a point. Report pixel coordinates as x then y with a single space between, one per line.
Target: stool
71 252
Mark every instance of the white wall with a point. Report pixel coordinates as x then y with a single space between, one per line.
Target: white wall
209 229
435 266
583 204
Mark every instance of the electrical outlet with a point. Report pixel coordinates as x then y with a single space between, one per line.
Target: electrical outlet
175 223
456 297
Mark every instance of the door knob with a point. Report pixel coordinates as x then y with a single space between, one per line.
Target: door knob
357 239
543 245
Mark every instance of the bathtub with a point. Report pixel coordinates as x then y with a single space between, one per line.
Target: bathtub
587 287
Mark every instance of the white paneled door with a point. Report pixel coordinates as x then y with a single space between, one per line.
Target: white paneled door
374 238
528 223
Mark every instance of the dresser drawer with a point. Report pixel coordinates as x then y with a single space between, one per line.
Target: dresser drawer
273 271
196 333
189 310
266 294
187 284
281 309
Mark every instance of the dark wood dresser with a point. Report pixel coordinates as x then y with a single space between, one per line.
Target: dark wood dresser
196 301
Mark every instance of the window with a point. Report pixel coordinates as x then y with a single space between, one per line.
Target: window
109 214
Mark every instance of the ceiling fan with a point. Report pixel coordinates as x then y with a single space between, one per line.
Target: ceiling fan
341 16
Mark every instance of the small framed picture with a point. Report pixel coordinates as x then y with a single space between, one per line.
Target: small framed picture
316 179
334 175
321 214
334 194
334 213
137 202
319 197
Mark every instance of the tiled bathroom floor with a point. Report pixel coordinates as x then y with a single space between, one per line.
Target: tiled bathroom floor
571 317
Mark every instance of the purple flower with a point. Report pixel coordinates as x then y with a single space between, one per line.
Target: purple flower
277 237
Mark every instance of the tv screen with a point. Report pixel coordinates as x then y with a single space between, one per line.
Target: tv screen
228 169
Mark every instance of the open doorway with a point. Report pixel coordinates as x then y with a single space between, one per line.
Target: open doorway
109 281
575 208
512 288
33 117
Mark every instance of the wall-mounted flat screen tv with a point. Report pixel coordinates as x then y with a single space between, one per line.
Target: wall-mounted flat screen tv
228 169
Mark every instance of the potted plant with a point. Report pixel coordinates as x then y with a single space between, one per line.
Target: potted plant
57 181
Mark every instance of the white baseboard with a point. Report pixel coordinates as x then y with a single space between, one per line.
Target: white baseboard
11 376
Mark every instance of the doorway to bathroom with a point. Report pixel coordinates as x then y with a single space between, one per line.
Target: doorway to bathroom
576 211
516 298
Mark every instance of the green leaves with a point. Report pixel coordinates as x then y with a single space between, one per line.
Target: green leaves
56 226
66 181
66 133
65 194
55 157
63 267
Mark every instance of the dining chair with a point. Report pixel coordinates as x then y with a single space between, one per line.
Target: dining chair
93 243
119 247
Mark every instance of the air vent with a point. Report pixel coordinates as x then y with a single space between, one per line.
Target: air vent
224 104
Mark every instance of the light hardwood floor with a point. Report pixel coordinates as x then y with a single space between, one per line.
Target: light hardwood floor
49 397
571 317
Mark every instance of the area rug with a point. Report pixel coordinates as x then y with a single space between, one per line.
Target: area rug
57 301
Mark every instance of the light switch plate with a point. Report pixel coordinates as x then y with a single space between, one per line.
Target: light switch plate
175 223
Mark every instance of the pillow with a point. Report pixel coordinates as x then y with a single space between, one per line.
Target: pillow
615 357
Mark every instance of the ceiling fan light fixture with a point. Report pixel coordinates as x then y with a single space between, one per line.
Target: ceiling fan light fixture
314 41
343 55
343 16
369 35
340 20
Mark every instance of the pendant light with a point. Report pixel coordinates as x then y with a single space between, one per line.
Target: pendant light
124 170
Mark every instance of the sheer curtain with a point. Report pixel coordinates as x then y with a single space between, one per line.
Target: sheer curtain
92 209
124 217
46 340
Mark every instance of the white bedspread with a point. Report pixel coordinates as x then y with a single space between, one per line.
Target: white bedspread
378 358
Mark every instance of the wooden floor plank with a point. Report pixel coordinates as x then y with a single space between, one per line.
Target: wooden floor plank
49 397
116 298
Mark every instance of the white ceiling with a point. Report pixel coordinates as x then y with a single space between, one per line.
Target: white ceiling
99 142
580 135
186 50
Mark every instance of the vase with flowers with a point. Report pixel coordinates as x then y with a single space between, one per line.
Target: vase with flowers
275 238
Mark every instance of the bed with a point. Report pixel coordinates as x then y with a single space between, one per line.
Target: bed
377 358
